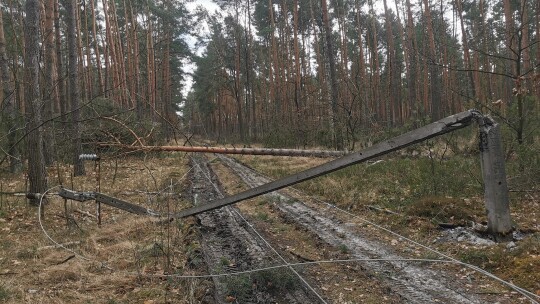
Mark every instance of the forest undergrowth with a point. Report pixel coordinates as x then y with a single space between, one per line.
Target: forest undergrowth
428 190
123 260
422 192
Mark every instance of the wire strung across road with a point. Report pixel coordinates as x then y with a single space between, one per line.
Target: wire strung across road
449 260
529 295
234 273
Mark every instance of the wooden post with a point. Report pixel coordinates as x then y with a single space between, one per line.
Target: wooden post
494 174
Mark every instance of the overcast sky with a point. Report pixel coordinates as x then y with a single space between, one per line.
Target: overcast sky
189 67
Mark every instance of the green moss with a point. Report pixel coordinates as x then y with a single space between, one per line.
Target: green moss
4 293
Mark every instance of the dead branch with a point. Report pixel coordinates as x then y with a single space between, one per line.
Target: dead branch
85 213
137 138
59 245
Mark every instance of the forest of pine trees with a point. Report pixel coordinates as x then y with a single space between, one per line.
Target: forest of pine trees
290 73
72 69
319 72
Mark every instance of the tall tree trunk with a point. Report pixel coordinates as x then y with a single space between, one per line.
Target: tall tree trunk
393 86
237 87
8 103
37 175
89 66
466 53
511 43
249 76
166 86
487 65
525 48
61 88
433 69
74 94
119 59
537 74
379 106
151 87
361 82
338 136
403 104
49 91
136 67
82 72
274 89
321 75
413 71
297 78
96 49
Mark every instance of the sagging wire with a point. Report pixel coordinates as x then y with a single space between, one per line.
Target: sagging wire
57 244
449 260
151 196
237 273
529 295
288 265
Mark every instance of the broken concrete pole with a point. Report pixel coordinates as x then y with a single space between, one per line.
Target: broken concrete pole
494 174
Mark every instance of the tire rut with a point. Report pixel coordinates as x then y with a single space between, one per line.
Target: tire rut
415 284
229 245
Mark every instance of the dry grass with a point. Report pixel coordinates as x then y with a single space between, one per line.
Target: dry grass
403 186
113 263
136 247
339 282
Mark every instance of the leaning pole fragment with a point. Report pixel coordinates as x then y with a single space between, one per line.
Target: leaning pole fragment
445 125
494 175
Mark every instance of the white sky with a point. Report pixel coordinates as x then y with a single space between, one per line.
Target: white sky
189 67
212 8
210 5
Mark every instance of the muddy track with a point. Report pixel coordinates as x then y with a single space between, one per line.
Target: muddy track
229 245
413 282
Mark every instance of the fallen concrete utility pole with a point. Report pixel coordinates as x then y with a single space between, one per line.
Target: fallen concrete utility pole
442 126
491 153
107 200
498 211
222 150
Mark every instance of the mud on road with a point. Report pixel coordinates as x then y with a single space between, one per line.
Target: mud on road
230 245
300 229
413 282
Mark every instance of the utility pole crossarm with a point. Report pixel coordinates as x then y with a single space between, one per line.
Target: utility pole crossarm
439 127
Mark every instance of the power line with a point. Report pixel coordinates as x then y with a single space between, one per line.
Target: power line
529 295
448 259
